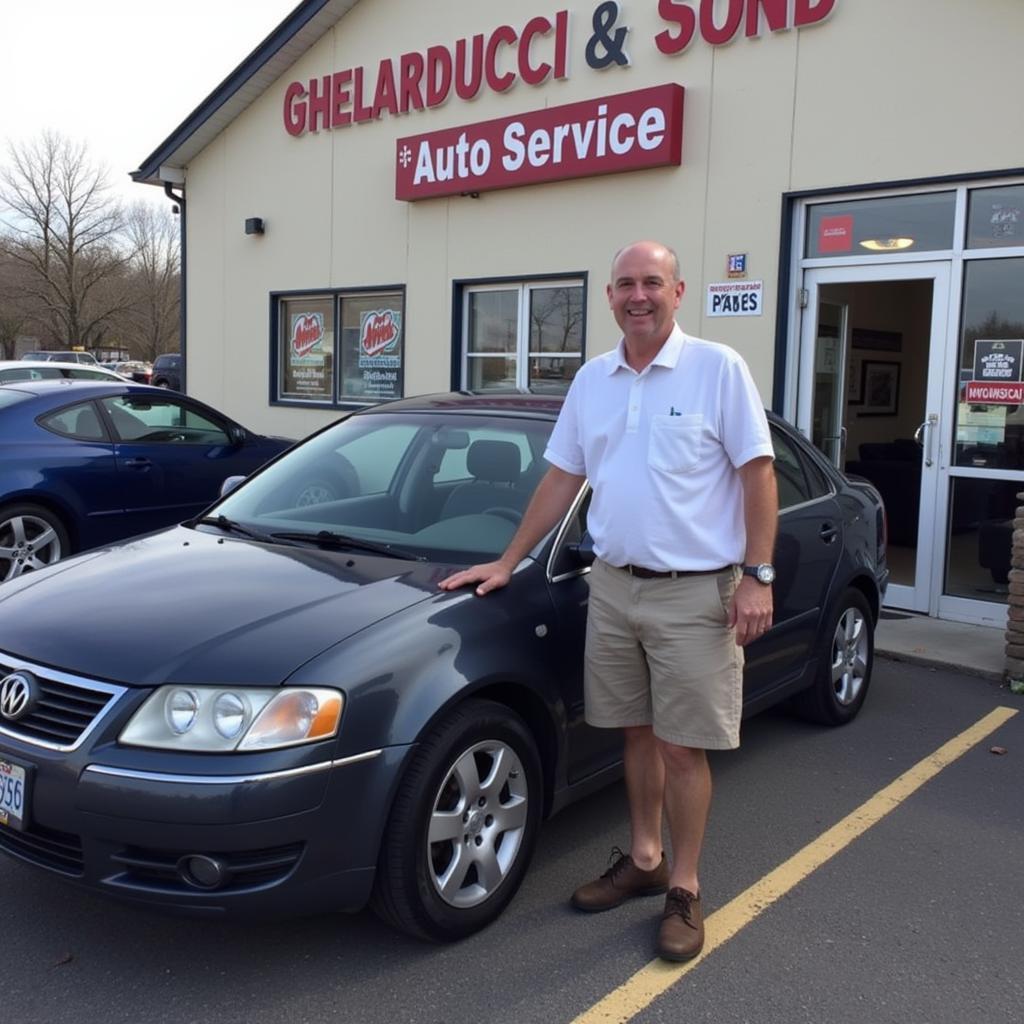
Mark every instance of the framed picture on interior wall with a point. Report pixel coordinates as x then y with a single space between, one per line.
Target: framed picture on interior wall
880 389
880 341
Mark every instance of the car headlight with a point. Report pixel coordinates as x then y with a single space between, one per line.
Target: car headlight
221 719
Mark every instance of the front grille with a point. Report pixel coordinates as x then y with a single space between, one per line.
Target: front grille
66 708
59 851
158 869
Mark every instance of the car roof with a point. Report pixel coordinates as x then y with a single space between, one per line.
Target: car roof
22 363
512 403
80 388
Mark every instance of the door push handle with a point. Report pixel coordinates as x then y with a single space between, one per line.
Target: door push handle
828 532
923 436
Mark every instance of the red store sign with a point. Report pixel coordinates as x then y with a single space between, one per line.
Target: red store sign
980 392
628 132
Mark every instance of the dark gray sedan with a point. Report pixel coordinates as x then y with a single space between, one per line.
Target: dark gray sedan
292 717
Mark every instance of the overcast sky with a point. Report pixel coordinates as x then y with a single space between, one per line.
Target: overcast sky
120 75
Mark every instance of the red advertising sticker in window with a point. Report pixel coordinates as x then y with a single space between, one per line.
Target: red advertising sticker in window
835 234
379 334
307 333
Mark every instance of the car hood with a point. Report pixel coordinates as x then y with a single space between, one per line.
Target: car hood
185 606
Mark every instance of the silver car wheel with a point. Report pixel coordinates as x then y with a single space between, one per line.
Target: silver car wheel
849 656
316 492
477 824
27 542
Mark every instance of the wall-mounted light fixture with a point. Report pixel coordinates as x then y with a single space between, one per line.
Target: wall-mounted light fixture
254 225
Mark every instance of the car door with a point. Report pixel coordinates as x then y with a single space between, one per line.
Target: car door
71 458
172 457
807 554
588 749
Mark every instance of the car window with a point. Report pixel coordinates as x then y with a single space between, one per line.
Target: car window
453 464
85 373
798 479
375 456
563 562
161 421
373 477
15 373
78 421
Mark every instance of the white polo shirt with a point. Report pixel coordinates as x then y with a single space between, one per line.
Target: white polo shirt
661 449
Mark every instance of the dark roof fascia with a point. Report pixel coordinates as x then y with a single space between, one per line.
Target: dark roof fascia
305 12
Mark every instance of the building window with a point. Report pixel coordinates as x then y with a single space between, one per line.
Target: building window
995 217
364 364
881 227
526 335
306 327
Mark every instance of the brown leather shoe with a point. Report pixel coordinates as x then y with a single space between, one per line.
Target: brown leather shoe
622 881
681 935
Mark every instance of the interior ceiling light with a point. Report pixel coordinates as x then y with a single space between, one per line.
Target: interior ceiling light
886 244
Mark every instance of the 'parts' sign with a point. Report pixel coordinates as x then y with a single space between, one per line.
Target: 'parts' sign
735 298
628 132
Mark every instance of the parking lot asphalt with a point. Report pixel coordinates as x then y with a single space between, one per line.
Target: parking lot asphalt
918 917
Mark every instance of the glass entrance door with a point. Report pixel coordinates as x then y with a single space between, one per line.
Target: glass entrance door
871 396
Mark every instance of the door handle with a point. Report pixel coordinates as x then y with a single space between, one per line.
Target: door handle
923 436
137 463
828 532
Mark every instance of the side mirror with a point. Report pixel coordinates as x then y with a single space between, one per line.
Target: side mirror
230 484
237 434
583 552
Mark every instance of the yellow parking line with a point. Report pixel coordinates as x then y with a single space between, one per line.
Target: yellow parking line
658 976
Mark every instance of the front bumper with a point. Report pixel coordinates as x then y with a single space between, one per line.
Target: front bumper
284 832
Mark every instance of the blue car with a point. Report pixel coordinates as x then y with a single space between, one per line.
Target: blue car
84 463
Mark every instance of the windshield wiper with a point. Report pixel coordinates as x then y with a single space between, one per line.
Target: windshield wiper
232 526
328 538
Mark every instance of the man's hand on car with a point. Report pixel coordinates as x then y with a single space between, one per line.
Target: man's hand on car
490 576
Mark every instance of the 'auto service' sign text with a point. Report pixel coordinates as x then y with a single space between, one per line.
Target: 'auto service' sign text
628 132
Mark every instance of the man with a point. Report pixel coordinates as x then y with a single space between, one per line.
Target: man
672 435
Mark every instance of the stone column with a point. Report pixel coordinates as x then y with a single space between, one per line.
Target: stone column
1015 622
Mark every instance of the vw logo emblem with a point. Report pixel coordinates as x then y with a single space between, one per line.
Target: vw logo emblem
17 695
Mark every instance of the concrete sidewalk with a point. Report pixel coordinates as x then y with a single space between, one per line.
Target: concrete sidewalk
976 650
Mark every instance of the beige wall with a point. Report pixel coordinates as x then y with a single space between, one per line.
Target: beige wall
880 91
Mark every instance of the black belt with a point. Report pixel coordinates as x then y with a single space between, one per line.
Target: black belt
663 574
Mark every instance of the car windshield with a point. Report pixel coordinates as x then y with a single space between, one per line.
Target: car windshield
447 488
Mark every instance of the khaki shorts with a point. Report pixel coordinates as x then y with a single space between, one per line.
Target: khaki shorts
660 653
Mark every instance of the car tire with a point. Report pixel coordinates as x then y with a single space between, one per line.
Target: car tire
31 537
462 827
340 481
161 384
846 658
316 492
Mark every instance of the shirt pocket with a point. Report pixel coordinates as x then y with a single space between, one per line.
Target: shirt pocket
675 443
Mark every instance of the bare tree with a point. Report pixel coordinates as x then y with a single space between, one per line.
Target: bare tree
13 319
151 324
557 315
62 228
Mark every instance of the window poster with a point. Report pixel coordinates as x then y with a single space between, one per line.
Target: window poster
373 342
307 343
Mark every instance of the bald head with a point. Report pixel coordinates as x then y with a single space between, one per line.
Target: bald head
653 250
644 294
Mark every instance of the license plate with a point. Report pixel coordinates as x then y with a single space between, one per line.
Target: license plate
13 795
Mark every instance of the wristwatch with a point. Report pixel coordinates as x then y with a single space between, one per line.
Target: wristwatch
763 573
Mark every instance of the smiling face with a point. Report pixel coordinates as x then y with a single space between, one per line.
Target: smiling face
644 294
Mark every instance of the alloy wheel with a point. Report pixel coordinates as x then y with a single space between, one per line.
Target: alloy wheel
27 542
477 823
849 656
